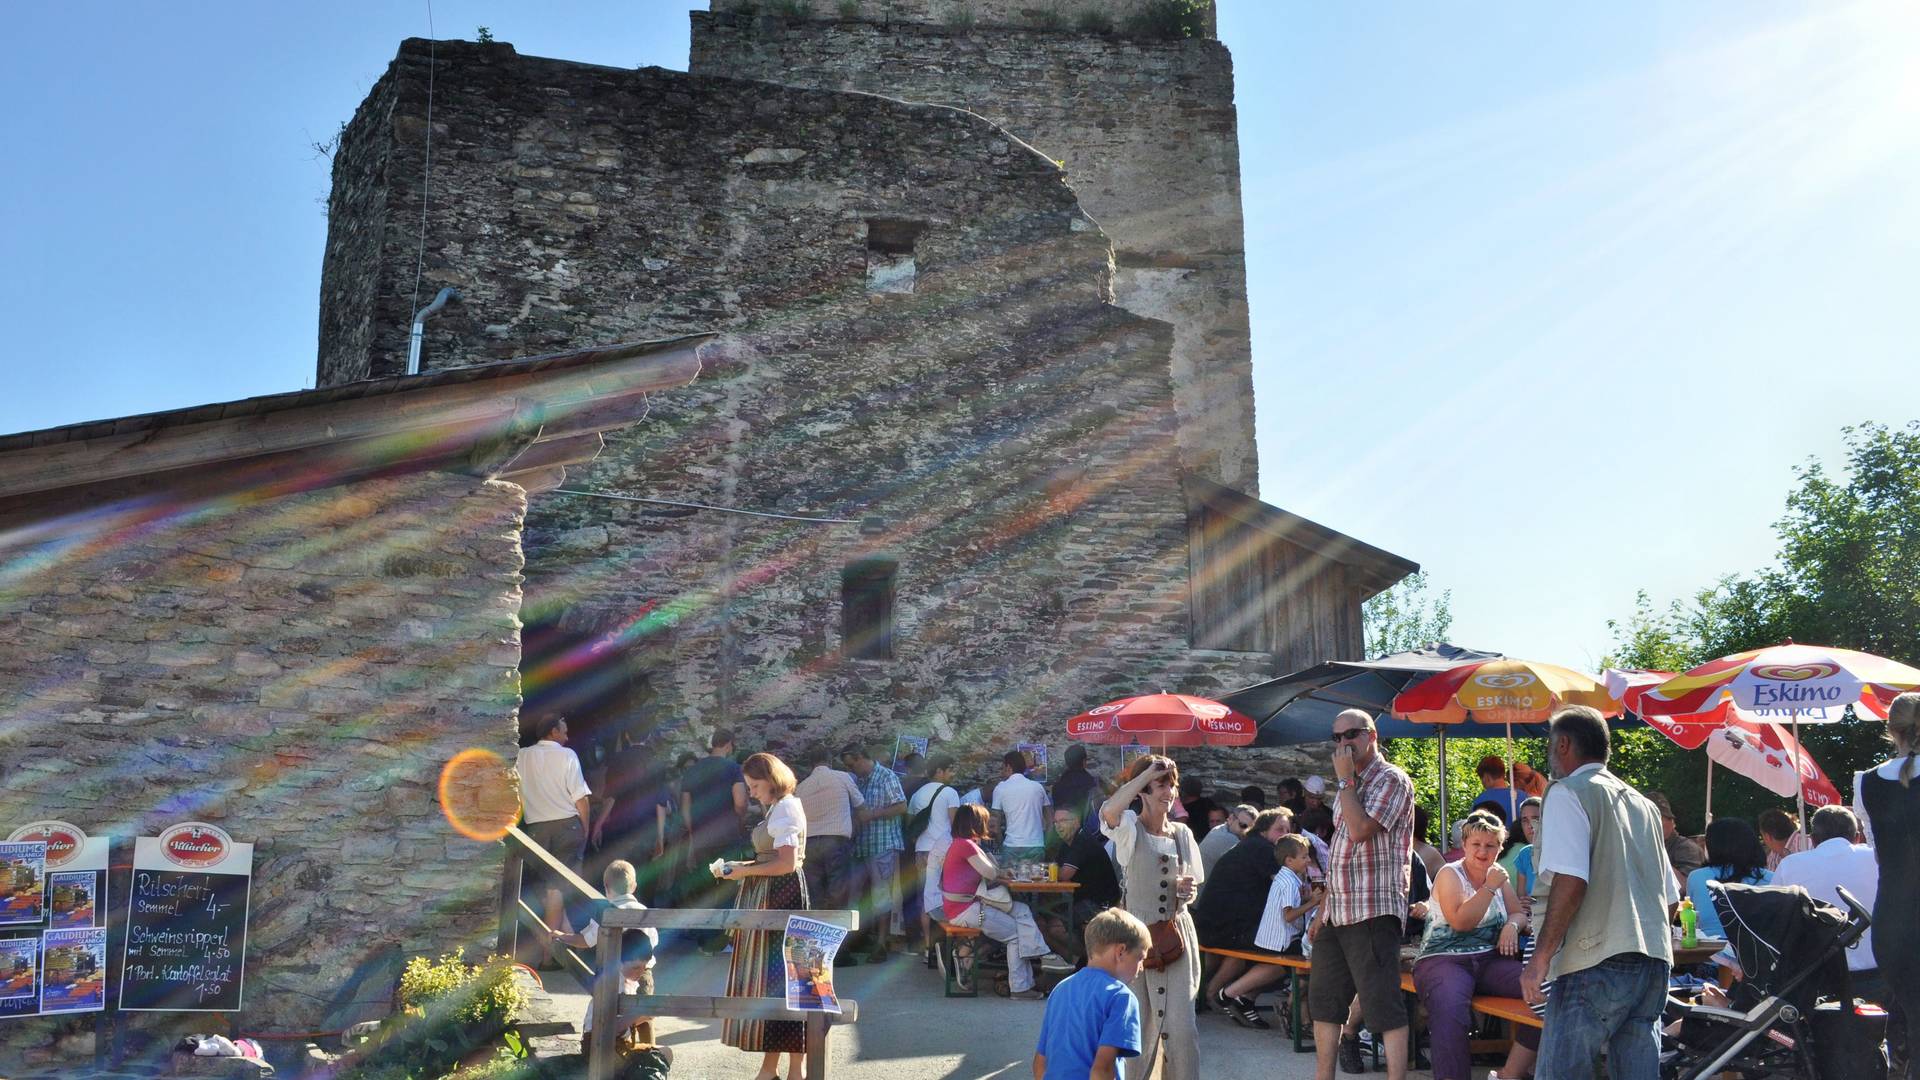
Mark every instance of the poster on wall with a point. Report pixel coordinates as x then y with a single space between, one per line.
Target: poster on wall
73 971
73 900
19 971
905 746
1037 757
23 882
1131 753
187 921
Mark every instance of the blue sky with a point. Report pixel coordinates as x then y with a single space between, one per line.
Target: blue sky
1551 300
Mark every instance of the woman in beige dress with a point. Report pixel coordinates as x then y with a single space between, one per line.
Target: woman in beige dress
1161 873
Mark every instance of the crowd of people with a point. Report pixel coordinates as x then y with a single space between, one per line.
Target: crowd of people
1544 893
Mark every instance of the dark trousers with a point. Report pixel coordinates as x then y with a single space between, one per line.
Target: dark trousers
828 870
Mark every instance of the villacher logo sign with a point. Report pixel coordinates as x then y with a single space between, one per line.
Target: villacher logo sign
63 840
195 845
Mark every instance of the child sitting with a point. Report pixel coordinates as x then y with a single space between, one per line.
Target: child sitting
1092 1019
1290 899
636 949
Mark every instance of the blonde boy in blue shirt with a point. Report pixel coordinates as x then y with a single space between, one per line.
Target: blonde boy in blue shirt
1092 1018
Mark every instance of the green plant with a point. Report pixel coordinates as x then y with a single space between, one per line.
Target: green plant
849 9
961 16
1050 18
1093 21
790 9
449 1011
484 35
1167 18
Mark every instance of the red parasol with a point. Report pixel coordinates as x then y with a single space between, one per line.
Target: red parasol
1163 720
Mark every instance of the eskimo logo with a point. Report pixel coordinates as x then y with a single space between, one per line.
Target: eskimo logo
1795 672
195 845
1503 682
63 840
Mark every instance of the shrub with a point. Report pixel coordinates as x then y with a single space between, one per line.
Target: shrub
1167 18
449 1009
1051 18
849 9
961 16
1093 21
790 9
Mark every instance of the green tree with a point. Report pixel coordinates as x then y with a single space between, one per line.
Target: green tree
1848 574
1405 617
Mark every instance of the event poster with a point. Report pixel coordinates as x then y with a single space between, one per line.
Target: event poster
73 899
810 949
1037 759
73 971
19 967
23 882
1131 753
905 746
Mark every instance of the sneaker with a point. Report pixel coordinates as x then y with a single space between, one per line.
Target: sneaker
1350 1060
1241 1009
931 961
1028 995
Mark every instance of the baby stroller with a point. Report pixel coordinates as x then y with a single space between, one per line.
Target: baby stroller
1794 1014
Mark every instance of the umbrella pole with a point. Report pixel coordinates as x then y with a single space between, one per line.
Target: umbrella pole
1513 804
1444 833
1799 784
1709 790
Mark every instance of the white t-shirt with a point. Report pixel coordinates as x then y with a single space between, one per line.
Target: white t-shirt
787 825
1889 770
1566 833
1025 803
1216 843
1837 862
550 781
939 831
1275 931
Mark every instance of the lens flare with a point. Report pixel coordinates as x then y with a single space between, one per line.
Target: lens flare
477 796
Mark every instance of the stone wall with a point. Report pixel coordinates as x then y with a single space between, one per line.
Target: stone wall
1121 15
1002 432
295 670
1149 139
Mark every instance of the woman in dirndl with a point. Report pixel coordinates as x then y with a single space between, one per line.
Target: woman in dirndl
771 882
1161 873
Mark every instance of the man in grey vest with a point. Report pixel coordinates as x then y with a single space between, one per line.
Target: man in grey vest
1604 943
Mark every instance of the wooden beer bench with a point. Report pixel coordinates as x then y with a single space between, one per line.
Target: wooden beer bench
958 948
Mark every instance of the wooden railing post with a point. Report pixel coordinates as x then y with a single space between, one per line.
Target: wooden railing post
603 1049
817 1046
509 942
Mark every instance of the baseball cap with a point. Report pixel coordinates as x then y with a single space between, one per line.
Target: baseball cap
1316 785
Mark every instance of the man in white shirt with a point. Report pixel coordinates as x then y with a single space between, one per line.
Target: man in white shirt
938 800
1024 802
1221 840
553 804
829 797
1834 860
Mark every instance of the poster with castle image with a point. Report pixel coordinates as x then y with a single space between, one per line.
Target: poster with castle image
74 975
19 967
809 950
23 882
1036 759
73 900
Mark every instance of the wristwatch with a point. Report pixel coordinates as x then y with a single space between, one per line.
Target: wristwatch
1342 785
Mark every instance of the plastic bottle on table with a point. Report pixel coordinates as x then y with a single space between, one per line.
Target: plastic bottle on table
1689 920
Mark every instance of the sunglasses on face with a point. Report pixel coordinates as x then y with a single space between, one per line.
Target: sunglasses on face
1343 736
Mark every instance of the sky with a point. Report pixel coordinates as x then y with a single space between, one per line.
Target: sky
1552 299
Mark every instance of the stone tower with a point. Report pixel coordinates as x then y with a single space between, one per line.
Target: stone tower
1138 107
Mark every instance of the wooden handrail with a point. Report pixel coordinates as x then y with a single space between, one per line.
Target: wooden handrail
612 1010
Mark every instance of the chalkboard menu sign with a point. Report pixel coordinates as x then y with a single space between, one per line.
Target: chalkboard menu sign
187 921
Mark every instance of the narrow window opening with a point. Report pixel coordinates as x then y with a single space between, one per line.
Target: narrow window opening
866 608
890 261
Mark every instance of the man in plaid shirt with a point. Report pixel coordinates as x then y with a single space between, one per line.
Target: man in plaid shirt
1356 935
876 847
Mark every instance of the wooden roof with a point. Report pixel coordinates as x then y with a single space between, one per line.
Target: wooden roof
1379 569
523 420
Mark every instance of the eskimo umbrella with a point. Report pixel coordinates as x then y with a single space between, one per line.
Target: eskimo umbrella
1162 720
1790 677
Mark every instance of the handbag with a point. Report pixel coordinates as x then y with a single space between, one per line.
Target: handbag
1166 946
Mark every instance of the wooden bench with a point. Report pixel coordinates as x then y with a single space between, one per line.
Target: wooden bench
1298 968
958 948
1512 1010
